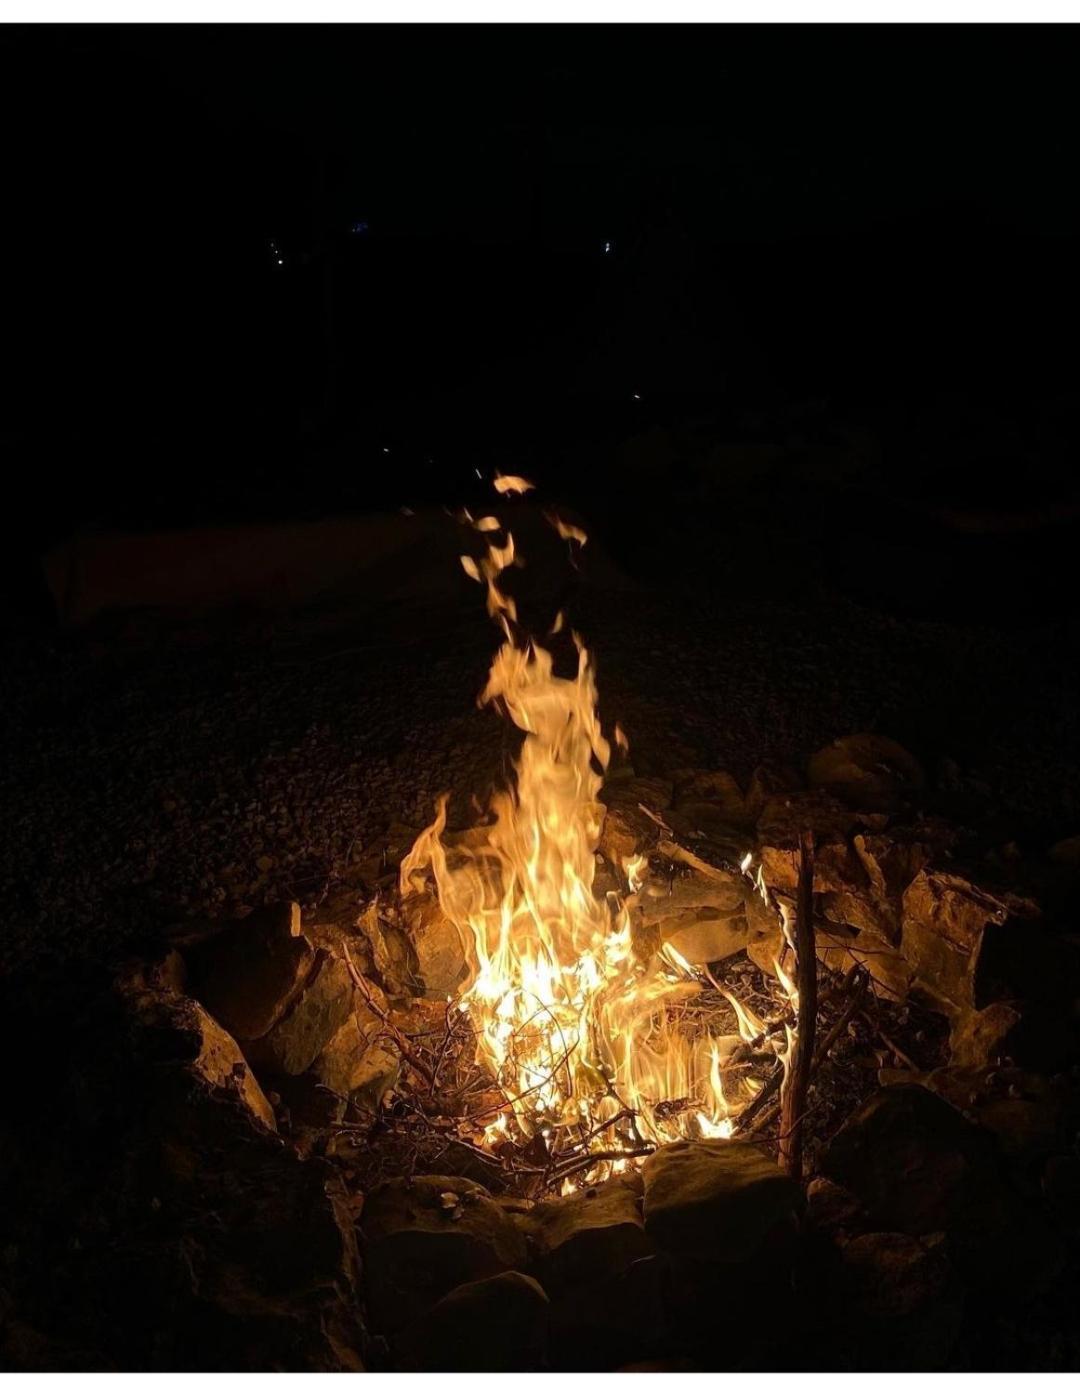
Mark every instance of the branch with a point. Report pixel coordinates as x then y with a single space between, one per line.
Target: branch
797 1076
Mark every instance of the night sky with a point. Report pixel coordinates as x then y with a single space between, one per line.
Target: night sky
241 261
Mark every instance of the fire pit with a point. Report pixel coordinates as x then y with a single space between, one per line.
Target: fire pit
541 1088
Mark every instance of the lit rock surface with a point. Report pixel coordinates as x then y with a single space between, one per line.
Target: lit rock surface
715 1199
440 963
588 1236
321 1008
354 1062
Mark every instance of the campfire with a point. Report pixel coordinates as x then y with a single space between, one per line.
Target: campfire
551 1085
588 1039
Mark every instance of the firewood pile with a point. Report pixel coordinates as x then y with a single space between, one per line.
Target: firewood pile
263 1144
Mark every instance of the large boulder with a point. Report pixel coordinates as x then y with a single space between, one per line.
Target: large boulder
919 1167
716 1199
495 1325
425 1236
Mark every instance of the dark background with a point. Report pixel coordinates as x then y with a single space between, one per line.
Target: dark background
817 405
814 232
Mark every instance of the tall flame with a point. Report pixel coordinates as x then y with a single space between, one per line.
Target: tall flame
578 1032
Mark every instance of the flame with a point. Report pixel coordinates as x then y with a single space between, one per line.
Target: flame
636 868
512 484
569 532
585 1041
791 992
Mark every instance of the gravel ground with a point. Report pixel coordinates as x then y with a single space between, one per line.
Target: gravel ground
154 771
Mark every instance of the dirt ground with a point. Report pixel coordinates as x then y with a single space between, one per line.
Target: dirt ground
156 767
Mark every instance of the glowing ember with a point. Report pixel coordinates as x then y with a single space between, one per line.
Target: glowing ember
586 1042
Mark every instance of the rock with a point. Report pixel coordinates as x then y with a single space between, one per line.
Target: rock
627 831
441 959
692 889
945 918
889 971
611 1319
168 1227
716 790
831 1209
319 1011
919 1167
836 867
702 937
767 781
717 1199
765 939
867 771
422 1238
354 1061
1066 852
976 1039
861 911
495 1325
696 820
702 915
1027 1129
891 861
221 1066
902 1303
248 975
588 1236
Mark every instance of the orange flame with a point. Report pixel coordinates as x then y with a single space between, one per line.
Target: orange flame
577 1031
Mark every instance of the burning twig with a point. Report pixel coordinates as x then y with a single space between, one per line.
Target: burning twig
797 1074
592 1158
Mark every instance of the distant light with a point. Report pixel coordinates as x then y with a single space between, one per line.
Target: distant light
609 247
386 450
359 227
477 473
637 396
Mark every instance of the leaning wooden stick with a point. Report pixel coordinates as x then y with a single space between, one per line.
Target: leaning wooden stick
797 1077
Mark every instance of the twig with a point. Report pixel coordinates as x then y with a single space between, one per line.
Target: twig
904 1059
797 1076
592 1158
398 1037
759 1118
